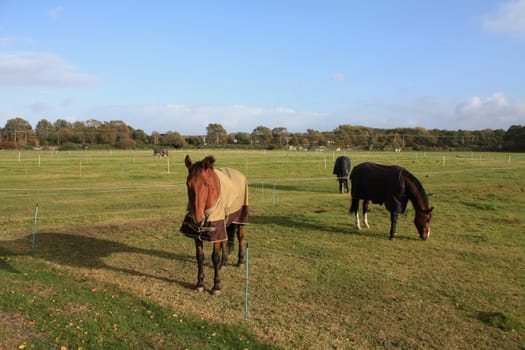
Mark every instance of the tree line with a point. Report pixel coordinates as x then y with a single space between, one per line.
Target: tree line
62 134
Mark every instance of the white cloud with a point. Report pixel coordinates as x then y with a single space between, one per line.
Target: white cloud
55 12
339 77
40 69
494 111
10 40
509 19
193 119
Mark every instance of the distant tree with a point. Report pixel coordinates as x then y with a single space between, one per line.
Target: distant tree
295 139
314 138
107 134
262 135
139 136
280 136
64 131
243 138
92 126
20 132
195 140
155 138
45 132
425 139
80 132
216 134
342 135
173 139
514 139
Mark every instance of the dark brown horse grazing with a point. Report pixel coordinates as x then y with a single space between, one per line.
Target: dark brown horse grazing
393 186
217 211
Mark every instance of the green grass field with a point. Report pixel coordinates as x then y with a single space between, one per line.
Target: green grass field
109 269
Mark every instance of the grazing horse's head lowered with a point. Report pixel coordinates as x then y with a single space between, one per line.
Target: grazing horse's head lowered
422 222
393 186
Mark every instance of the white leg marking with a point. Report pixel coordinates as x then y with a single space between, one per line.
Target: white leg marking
365 220
357 224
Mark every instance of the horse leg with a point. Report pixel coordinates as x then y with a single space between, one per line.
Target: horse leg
354 209
216 258
224 258
230 230
227 247
346 185
366 202
393 221
240 238
199 253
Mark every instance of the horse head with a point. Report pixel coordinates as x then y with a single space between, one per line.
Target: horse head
422 222
203 187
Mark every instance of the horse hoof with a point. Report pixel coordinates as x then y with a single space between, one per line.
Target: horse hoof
216 292
392 236
240 265
200 289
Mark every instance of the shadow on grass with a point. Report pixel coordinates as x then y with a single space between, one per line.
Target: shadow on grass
4 265
333 227
84 252
301 187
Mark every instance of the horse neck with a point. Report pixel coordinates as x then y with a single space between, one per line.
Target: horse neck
416 195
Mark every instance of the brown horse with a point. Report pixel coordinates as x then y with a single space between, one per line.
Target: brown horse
161 152
217 211
393 186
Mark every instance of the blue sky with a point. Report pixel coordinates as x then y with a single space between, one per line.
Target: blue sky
180 65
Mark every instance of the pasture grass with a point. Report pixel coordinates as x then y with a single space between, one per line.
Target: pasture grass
110 269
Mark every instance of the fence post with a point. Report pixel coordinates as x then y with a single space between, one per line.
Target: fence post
273 194
262 191
34 229
246 292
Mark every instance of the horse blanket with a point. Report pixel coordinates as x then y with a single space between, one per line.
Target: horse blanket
380 184
342 167
230 208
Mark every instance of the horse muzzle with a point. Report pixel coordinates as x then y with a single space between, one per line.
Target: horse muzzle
197 223
424 236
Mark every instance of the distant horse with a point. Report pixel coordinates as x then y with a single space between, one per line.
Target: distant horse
161 152
217 211
342 169
393 186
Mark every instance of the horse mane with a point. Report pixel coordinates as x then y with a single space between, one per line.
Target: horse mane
418 184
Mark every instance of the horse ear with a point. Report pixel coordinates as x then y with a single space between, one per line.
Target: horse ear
188 161
430 210
208 162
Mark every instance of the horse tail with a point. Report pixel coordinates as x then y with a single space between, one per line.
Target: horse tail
354 179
